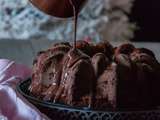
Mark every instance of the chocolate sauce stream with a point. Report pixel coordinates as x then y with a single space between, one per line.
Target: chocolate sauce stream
75 12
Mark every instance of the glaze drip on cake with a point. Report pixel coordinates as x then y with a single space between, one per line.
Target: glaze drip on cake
99 76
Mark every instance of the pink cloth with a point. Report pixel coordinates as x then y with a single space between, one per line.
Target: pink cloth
13 106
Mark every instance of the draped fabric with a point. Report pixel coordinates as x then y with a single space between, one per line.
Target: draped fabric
13 106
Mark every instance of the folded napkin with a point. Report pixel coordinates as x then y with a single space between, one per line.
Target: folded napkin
13 106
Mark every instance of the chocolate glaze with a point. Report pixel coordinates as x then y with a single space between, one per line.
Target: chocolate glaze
50 58
125 49
106 88
144 58
144 50
75 82
149 72
123 59
104 47
144 87
100 63
85 47
129 81
75 6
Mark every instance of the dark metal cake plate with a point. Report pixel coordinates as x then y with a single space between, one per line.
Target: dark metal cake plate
64 112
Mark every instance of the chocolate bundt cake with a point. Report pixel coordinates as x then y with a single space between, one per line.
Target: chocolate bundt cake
47 69
97 76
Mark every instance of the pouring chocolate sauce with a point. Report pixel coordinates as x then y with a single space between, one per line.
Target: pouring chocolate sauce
61 9
75 12
64 9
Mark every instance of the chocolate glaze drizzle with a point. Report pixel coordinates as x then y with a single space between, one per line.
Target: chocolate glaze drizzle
75 12
75 51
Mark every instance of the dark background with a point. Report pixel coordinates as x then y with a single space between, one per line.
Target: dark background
146 13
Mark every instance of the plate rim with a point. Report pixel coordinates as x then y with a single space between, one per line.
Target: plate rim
67 107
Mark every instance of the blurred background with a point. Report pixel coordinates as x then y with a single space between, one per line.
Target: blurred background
100 19
147 17
24 30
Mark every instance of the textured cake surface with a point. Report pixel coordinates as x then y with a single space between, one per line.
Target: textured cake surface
99 76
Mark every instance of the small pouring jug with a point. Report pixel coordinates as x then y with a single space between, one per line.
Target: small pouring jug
59 8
